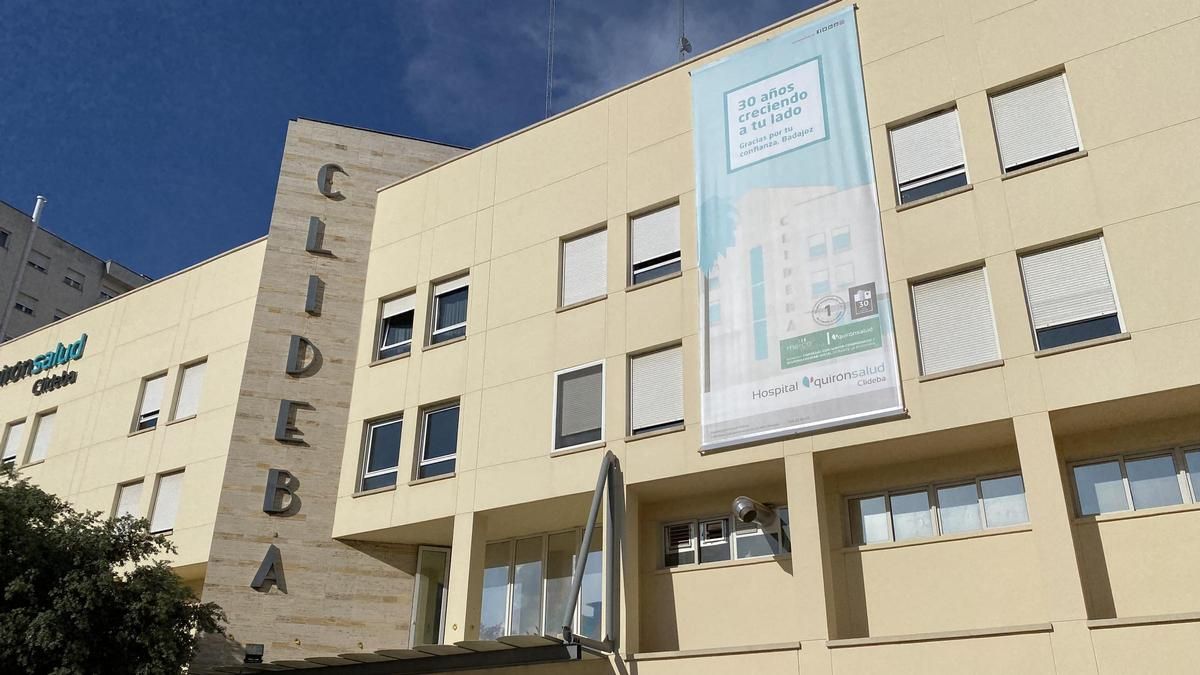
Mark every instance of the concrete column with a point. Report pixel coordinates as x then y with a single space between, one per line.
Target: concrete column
630 555
1050 515
465 592
811 571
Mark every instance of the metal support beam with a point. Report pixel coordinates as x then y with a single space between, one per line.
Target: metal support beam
609 473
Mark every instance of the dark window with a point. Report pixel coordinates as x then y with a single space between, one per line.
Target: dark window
396 334
383 454
654 268
449 315
439 442
933 187
1088 329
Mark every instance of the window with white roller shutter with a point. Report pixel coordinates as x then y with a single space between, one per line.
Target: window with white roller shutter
654 245
579 406
191 382
129 500
150 402
955 325
1070 294
1034 123
43 433
14 441
584 267
396 326
927 156
656 390
166 502
449 318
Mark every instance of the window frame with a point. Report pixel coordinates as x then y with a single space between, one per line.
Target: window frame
435 309
731 539
562 263
367 449
554 407
378 344
4 235
631 267
117 496
412 633
158 478
934 177
511 544
1178 455
423 438
76 284
178 389
1112 286
37 265
137 408
665 426
931 490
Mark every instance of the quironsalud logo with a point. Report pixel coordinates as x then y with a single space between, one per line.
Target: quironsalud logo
861 376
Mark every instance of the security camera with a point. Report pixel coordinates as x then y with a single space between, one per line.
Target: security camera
748 511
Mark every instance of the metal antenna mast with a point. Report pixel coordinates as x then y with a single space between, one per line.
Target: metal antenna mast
550 62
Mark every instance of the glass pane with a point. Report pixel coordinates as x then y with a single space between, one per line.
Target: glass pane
677 545
560 566
436 469
1089 329
429 595
868 520
397 335
714 540
451 308
642 275
441 433
1100 488
380 481
910 516
958 509
591 605
495 592
1193 469
526 617
384 448
1004 501
1153 482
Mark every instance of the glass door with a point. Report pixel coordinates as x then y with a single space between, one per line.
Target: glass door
429 596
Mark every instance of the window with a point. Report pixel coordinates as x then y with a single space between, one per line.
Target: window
579 406
937 510
166 502
928 156
74 279
14 441
382 455
129 500
38 261
1166 478
439 442
429 596
43 433
4 234
955 327
150 402
1070 294
527 586
656 390
1034 123
584 268
709 540
25 304
187 403
60 314
107 293
654 245
449 310
396 326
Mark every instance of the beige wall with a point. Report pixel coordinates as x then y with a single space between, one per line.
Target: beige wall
502 210
201 313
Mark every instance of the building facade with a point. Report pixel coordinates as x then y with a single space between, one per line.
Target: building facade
45 278
401 421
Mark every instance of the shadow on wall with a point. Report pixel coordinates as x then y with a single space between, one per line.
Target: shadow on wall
214 650
1093 570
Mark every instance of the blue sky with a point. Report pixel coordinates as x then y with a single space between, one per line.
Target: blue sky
155 127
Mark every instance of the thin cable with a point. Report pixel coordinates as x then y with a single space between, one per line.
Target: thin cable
550 62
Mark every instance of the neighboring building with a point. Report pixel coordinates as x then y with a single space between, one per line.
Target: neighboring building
440 376
57 280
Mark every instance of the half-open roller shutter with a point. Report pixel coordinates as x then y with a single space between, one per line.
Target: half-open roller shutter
1034 122
655 234
399 305
926 147
955 327
1068 284
656 389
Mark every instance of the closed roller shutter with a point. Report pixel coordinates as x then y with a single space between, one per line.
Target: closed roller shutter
656 389
955 327
584 263
927 147
1034 122
655 234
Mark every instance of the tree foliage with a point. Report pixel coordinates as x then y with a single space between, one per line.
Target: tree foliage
81 593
